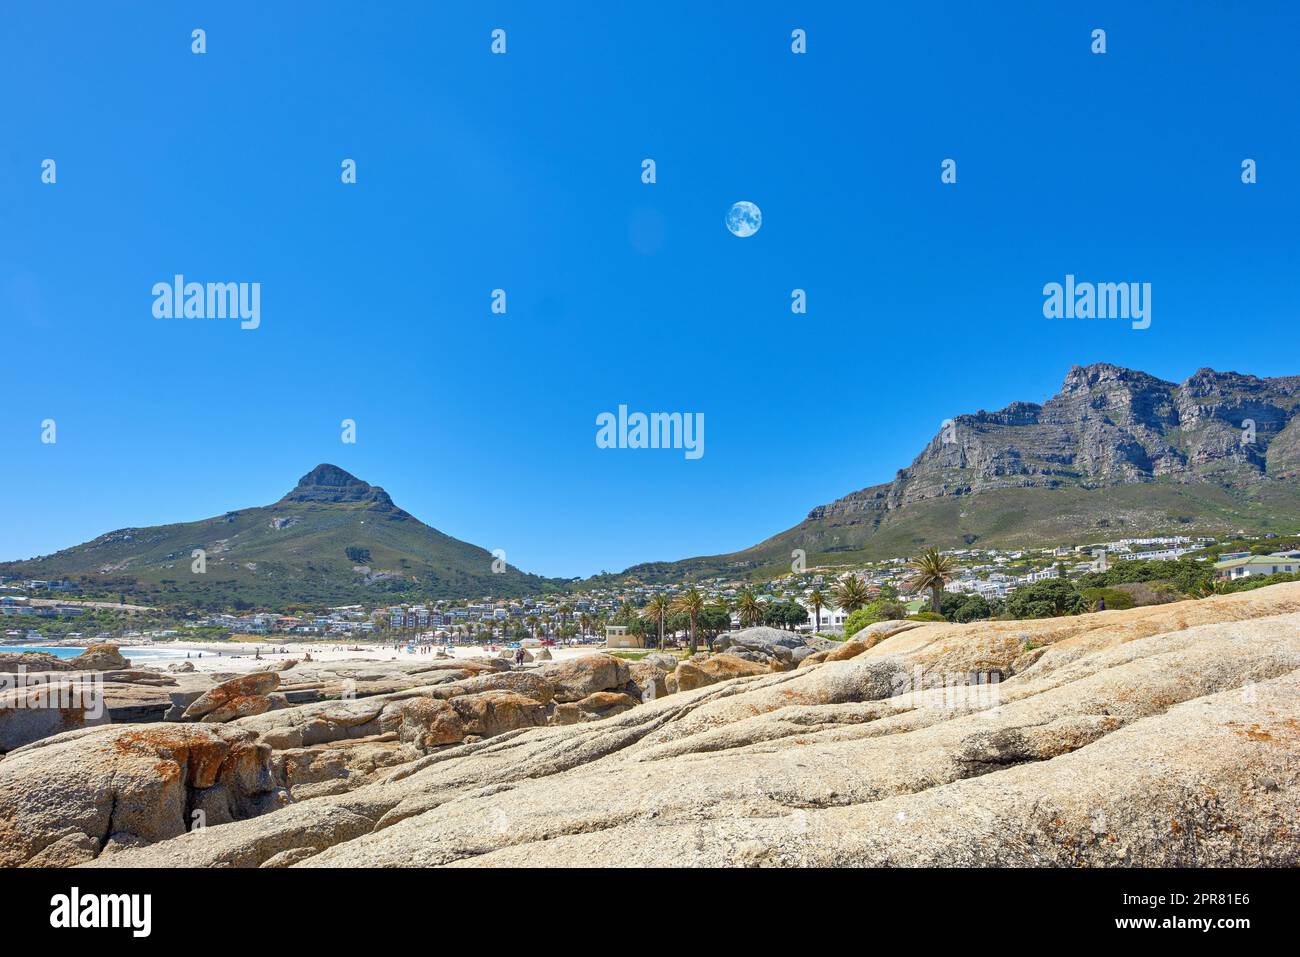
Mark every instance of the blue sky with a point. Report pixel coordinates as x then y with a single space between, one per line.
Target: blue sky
522 172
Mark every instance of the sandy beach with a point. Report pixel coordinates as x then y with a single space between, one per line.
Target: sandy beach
243 656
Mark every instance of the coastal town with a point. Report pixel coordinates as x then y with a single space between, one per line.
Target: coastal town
41 610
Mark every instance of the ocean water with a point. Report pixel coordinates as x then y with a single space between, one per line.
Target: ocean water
134 654
56 652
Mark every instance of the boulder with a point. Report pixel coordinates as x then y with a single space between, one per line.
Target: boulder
335 768
133 703
325 721
527 683
646 680
784 649
594 707
38 711
697 673
19 662
67 799
849 649
543 655
863 640
878 631
241 707
139 676
180 700
254 685
101 657
490 713
576 678
428 723
605 704
472 665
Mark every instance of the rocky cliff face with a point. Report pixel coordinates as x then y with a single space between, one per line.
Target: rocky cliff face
1107 426
332 485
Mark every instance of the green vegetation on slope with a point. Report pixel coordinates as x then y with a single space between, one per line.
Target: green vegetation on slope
304 549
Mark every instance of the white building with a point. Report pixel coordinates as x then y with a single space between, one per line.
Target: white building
833 619
1256 565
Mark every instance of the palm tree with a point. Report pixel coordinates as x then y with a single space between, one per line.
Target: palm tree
819 600
933 571
584 624
656 610
689 603
564 611
851 594
750 609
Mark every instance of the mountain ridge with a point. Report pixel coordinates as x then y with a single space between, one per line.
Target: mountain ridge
1116 452
1114 448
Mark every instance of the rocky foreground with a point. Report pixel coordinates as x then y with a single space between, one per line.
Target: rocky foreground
1157 736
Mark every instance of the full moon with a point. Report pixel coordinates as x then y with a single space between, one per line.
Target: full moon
744 219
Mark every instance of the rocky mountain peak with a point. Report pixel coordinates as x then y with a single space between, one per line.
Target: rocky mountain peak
1108 426
1103 374
330 484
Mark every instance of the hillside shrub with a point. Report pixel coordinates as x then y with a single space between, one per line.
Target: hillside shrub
1114 598
1150 593
883 609
926 616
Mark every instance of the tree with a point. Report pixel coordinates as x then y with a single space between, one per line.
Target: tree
965 606
714 619
749 608
1049 598
690 603
625 615
656 610
933 570
677 622
851 594
819 599
785 614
